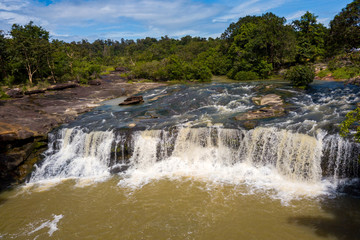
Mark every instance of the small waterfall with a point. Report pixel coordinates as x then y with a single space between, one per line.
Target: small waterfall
74 153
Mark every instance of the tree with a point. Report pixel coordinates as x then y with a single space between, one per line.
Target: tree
300 76
345 29
30 44
259 44
310 37
352 120
4 57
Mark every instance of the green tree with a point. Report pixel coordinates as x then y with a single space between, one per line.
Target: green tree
4 57
30 44
345 29
259 44
300 76
310 37
352 120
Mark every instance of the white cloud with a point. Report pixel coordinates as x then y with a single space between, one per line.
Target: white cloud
13 5
295 15
251 7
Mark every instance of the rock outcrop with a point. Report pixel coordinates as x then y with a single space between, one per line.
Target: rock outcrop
132 100
273 107
25 122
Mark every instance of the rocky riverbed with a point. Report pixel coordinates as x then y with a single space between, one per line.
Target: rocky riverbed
26 121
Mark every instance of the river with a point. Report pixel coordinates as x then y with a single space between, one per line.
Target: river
186 169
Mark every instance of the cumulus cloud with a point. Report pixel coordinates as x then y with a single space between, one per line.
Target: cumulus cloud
132 18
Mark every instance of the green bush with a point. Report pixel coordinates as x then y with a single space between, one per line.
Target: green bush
244 75
346 72
300 75
324 73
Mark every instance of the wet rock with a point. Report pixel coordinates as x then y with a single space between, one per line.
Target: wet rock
15 93
14 132
95 82
269 99
62 86
273 108
37 91
152 114
354 81
132 100
250 124
265 112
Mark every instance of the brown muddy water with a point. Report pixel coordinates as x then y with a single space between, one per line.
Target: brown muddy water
171 209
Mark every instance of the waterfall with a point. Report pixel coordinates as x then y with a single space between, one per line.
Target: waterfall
75 153
212 152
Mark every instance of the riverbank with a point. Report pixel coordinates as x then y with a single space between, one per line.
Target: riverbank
25 122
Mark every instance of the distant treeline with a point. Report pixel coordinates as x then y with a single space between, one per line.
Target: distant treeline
253 47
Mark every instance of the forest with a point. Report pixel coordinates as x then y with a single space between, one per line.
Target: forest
254 47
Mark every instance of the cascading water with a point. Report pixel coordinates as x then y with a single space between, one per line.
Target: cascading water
73 153
193 134
264 157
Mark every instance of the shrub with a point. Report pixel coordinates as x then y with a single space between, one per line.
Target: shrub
324 73
346 72
244 75
300 75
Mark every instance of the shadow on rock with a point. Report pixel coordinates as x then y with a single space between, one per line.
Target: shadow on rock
343 222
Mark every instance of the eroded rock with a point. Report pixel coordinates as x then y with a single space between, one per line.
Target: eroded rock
269 99
273 107
15 93
133 100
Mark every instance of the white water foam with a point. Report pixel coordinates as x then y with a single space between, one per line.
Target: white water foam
286 162
263 159
52 225
80 155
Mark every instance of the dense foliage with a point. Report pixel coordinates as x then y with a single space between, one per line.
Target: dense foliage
345 29
300 75
254 47
352 121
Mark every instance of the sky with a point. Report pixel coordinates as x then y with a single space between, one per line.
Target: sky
74 20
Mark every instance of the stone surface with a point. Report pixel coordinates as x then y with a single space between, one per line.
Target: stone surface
37 91
14 93
133 100
62 86
265 112
26 121
272 107
269 99
95 82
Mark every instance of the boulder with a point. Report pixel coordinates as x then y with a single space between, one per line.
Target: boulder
132 100
273 107
15 93
14 132
269 99
353 81
265 112
95 82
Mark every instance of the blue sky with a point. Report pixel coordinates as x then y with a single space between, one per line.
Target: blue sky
131 19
